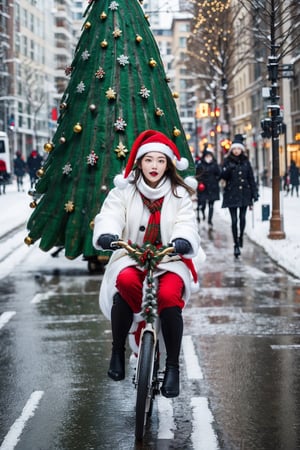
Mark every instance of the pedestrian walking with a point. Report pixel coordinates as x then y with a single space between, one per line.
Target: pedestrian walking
151 204
294 178
19 169
34 163
208 191
286 182
240 189
4 176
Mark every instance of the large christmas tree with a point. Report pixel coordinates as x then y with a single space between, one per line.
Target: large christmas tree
117 89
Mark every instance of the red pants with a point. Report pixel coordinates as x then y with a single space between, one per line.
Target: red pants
169 291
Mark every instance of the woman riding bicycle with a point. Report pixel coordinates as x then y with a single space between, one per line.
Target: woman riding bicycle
150 203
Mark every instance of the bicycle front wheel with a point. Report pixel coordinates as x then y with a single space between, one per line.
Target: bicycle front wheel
144 384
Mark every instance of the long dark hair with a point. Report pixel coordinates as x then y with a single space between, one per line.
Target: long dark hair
175 178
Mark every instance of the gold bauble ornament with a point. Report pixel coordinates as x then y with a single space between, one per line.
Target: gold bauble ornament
176 132
152 63
62 140
63 105
32 204
77 128
175 94
104 43
92 224
48 147
40 173
138 38
159 112
92 107
28 240
87 25
103 15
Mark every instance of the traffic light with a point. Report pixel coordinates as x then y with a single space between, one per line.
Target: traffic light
266 125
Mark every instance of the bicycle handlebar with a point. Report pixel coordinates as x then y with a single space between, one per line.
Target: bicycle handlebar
147 256
139 250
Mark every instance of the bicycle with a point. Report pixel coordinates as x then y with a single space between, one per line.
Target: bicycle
147 378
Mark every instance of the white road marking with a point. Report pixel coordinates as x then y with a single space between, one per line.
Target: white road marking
166 419
203 436
286 347
191 360
5 317
13 436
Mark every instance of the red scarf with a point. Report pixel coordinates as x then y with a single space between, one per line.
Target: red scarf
152 233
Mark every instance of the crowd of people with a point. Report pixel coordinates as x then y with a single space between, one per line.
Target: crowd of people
239 187
21 167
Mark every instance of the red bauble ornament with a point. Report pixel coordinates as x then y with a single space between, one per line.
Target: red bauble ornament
201 187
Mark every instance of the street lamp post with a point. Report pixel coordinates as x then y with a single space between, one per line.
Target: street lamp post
276 229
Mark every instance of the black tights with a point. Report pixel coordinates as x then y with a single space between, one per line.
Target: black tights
202 206
234 222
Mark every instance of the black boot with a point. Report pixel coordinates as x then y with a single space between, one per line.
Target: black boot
172 329
170 386
121 320
241 241
236 250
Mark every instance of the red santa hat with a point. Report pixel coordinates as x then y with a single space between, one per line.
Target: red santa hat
151 141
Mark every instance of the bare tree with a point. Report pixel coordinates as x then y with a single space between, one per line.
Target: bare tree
212 49
35 95
281 18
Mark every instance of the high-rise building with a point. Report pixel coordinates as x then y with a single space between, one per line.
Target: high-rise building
27 99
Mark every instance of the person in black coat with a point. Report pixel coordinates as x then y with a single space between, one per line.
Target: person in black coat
240 189
19 169
294 178
208 175
34 163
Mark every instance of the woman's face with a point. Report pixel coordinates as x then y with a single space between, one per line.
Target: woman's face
153 167
208 158
236 151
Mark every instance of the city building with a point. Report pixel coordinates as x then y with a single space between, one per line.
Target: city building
27 97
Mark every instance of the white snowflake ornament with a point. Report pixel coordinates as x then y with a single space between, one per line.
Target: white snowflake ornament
85 55
67 169
92 159
144 92
113 6
120 124
123 60
80 87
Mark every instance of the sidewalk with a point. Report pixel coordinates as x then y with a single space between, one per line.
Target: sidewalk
284 251
15 211
14 207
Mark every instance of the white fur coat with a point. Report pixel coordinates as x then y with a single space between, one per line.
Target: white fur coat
124 214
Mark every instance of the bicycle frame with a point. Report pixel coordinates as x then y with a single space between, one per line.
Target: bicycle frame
146 379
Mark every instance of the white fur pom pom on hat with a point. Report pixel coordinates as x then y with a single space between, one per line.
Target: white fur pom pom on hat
192 182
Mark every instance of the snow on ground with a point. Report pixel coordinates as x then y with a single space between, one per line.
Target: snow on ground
15 211
285 251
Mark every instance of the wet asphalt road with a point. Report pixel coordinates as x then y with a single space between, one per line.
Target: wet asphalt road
55 347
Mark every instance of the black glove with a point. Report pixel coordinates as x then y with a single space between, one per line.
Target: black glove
105 240
182 246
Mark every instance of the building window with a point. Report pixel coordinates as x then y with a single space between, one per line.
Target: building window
32 50
182 42
25 46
